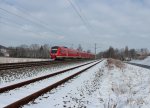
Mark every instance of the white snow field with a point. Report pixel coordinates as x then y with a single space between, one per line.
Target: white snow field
16 60
146 61
101 87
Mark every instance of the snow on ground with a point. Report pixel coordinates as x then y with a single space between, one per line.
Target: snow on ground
146 61
14 95
103 86
16 60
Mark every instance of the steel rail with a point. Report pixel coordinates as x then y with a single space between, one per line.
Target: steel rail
35 95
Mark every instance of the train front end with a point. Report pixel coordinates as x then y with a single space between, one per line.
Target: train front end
54 52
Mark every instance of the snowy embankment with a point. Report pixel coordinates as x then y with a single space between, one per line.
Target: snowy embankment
110 84
16 60
125 87
146 61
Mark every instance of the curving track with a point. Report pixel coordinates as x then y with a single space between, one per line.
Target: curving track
70 73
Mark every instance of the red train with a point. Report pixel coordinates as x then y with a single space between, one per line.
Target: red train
58 52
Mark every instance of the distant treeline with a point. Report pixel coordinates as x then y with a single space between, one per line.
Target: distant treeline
43 51
32 51
124 53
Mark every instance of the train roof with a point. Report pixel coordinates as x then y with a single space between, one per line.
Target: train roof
58 47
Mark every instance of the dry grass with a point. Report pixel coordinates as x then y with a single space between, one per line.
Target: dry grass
117 63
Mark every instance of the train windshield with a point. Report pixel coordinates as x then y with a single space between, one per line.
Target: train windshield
54 49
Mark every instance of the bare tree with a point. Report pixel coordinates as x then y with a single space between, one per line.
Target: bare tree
111 52
132 53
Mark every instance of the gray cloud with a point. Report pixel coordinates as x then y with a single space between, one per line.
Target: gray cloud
110 22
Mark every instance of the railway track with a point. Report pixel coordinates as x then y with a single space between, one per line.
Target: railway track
7 66
140 65
26 99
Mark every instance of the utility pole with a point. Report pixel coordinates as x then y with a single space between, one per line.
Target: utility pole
95 50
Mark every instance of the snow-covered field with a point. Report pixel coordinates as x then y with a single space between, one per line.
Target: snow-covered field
146 61
16 60
106 85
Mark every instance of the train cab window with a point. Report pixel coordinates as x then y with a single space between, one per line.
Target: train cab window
54 50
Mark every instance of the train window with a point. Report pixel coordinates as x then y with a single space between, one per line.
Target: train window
53 50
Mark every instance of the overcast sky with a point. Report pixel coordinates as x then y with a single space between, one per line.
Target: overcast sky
116 23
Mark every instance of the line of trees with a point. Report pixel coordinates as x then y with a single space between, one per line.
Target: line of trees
32 51
43 51
124 54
